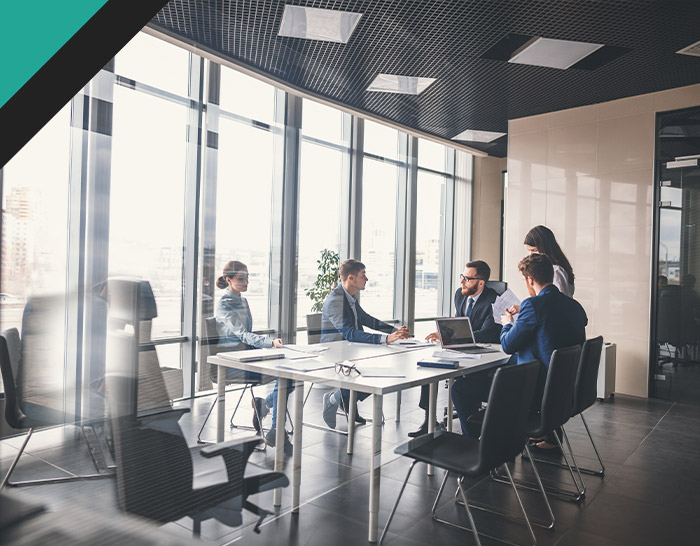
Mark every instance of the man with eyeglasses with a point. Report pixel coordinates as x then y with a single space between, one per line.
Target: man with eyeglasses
343 318
473 299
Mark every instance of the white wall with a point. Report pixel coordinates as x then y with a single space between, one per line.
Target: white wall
587 173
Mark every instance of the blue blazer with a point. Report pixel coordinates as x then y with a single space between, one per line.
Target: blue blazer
546 322
338 320
486 330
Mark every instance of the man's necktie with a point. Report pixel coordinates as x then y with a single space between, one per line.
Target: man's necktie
470 305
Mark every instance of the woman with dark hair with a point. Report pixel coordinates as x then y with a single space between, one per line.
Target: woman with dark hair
542 241
234 324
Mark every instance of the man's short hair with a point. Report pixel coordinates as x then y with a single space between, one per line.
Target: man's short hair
350 267
483 271
539 267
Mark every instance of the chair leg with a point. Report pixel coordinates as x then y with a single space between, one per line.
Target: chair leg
196 527
582 489
600 472
396 504
231 424
469 512
73 477
544 493
199 434
520 502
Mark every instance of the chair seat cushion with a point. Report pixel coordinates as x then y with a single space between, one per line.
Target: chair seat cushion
453 452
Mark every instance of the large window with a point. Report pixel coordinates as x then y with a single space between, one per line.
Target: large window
430 224
382 173
323 175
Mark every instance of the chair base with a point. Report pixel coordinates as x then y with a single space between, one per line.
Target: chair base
104 471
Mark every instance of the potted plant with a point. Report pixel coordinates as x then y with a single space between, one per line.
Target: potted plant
326 281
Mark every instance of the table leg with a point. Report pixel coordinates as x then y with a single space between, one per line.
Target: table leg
398 406
450 408
351 421
221 403
375 467
296 459
279 434
431 417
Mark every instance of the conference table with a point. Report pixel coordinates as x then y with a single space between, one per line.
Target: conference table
396 362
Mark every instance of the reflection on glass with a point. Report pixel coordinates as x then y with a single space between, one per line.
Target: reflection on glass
429 217
243 203
35 219
379 193
147 200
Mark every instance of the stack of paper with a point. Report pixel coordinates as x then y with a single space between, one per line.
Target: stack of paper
503 302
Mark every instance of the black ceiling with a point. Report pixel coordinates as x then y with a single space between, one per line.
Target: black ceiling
446 39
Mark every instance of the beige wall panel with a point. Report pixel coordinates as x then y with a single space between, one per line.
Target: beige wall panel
571 150
674 99
626 144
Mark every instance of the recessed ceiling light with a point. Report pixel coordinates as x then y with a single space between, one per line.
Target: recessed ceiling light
553 53
692 49
478 136
407 85
318 24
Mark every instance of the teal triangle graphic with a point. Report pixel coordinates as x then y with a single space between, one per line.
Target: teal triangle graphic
31 32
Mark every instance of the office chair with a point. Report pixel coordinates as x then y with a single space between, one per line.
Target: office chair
24 408
585 394
235 377
498 286
160 478
503 436
555 410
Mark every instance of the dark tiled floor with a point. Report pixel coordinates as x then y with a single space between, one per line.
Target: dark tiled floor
649 495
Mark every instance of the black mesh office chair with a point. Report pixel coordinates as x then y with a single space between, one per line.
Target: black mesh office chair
24 411
160 478
503 436
556 409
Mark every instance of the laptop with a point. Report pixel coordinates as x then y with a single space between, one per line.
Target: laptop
456 334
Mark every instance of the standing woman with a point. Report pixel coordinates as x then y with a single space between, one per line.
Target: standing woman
542 241
234 324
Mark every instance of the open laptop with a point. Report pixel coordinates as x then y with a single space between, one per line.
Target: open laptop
456 334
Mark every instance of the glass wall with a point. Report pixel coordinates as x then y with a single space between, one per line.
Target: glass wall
176 166
433 174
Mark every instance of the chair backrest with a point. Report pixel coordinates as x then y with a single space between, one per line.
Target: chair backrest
10 357
499 286
504 430
313 326
154 467
668 325
558 397
212 341
586 388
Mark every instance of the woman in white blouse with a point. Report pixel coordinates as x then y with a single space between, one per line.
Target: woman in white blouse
541 240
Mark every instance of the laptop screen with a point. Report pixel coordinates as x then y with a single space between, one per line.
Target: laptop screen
454 332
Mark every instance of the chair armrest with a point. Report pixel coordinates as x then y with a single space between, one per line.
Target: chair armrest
237 444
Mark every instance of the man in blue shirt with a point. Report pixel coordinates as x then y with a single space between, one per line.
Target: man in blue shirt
343 318
546 321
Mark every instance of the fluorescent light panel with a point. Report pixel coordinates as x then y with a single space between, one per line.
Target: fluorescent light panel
553 53
473 135
407 85
318 24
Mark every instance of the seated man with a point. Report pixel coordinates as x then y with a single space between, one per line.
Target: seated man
343 318
547 320
472 300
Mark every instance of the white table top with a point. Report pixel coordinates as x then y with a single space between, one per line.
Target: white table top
401 359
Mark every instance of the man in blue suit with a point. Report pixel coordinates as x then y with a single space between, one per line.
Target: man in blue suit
546 321
343 318
473 299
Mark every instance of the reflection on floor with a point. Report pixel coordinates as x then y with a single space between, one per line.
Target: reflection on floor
681 382
649 495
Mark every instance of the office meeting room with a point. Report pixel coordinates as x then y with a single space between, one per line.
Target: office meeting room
318 272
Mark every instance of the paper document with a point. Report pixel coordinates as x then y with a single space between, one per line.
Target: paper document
308 349
411 342
305 365
454 355
503 302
